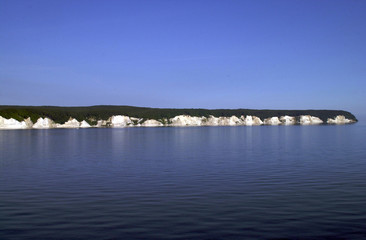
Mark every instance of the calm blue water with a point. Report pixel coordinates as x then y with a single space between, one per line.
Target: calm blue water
267 182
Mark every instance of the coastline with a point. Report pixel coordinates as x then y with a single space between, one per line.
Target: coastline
121 121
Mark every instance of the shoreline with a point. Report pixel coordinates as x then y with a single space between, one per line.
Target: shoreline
121 121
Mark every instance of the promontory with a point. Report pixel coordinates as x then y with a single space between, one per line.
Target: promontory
41 117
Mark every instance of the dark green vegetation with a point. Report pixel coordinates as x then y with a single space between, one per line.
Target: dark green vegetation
94 113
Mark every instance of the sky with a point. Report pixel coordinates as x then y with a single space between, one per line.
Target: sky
260 54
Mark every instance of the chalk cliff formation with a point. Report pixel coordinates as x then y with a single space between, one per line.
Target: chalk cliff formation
272 121
310 120
119 121
15 124
339 120
288 120
44 123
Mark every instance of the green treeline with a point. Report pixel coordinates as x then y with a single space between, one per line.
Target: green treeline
94 113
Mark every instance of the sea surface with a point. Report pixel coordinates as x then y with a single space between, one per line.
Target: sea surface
260 182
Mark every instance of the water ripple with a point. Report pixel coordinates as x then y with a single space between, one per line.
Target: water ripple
184 183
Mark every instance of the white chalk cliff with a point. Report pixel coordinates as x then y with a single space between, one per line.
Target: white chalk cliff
72 123
84 124
272 121
288 120
15 124
185 120
251 120
101 123
309 120
180 120
44 123
120 121
152 123
340 119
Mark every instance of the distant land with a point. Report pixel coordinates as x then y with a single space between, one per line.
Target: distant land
13 117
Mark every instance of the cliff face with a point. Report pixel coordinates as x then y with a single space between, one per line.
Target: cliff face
310 120
272 121
288 120
177 121
152 123
92 114
340 119
27 117
44 123
15 124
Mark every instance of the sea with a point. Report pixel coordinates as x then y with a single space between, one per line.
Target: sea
259 182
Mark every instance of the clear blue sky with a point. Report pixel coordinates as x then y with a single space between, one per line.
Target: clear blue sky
210 54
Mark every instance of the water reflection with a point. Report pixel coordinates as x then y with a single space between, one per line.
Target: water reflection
165 183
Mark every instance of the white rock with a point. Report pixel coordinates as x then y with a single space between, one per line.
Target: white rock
84 124
180 120
305 119
120 121
15 124
152 123
251 120
223 121
309 120
288 120
340 119
316 120
28 122
44 123
185 120
72 123
248 120
229 121
234 121
212 121
101 123
272 121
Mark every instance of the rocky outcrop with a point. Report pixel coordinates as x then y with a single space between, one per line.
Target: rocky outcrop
185 120
102 123
229 121
272 121
71 123
152 123
288 120
340 119
120 121
251 120
43 123
218 121
310 120
84 124
15 124
28 122
180 120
